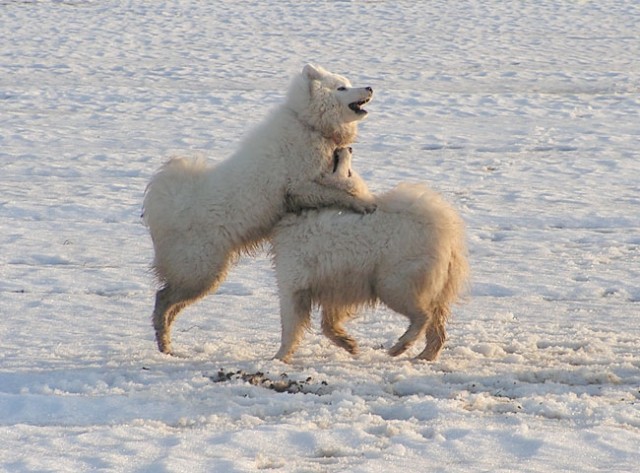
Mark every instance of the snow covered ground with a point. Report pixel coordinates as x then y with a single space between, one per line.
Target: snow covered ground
524 114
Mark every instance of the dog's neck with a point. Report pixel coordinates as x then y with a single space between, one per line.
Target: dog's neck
339 137
344 136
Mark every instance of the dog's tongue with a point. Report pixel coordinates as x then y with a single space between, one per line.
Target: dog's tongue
356 107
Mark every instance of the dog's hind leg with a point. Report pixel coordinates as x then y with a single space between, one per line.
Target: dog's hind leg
436 335
161 316
172 298
416 328
169 302
332 318
295 315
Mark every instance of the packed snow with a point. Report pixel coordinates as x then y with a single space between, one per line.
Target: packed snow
525 115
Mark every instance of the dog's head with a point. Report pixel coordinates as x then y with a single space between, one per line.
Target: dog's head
335 91
329 103
342 161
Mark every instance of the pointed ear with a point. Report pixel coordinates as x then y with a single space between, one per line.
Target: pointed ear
310 72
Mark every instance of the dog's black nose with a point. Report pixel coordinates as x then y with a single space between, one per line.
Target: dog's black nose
369 89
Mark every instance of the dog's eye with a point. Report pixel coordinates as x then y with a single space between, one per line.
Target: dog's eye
342 88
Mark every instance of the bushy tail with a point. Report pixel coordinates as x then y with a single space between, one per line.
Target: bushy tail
171 195
450 272
450 231
458 273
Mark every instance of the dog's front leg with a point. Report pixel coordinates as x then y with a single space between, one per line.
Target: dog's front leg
313 195
295 316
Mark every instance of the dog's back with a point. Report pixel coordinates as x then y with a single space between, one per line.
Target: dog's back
411 220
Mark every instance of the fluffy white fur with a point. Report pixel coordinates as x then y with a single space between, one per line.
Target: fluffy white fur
199 216
409 254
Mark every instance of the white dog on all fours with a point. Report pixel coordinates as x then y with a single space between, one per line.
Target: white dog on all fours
409 254
200 216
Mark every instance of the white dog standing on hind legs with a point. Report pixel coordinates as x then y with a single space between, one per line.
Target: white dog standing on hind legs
409 254
199 216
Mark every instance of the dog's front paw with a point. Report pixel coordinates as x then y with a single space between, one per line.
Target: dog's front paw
371 208
364 207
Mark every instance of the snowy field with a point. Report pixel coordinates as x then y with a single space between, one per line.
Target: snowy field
525 115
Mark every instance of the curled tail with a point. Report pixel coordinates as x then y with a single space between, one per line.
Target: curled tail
448 229
449 274
173 215
172 193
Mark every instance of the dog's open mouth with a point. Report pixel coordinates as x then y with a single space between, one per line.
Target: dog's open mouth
357 107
